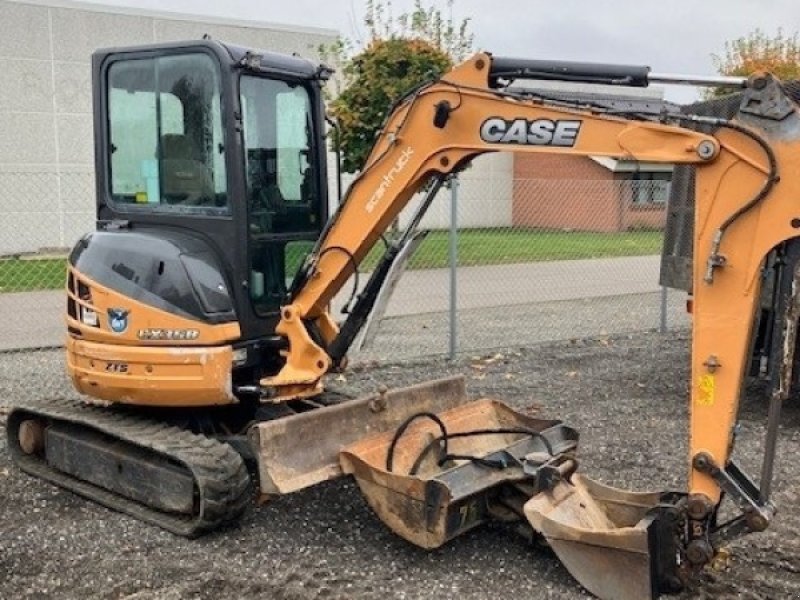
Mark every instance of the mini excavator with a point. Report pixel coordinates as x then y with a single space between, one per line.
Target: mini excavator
199 326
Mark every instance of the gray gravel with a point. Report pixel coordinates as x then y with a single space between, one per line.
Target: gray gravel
626 394
412 336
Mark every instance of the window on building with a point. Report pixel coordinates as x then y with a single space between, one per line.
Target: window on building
650 187
166 135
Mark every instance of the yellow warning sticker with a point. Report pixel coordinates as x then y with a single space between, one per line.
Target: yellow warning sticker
705 390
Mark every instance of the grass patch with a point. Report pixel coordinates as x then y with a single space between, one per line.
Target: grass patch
504 246
475 247
34 274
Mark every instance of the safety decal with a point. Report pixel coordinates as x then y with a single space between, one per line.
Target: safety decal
705 390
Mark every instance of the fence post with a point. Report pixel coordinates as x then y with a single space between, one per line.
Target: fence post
453 243
662 327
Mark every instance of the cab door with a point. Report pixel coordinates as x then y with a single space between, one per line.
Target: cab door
283 181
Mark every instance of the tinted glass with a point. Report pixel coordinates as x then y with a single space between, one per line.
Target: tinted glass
282 200
278 131
167 147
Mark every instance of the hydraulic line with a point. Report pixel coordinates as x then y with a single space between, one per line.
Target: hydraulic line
772 178
442 443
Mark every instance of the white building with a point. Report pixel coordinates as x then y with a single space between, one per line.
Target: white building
47 197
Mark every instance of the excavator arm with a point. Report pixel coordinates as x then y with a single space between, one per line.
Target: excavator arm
742 214
434 131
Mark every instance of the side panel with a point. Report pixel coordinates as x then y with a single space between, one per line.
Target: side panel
162 376
122 350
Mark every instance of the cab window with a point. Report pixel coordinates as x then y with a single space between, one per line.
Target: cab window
167 149
279 173
283 204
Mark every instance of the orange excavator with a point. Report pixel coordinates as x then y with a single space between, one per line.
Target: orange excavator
199 329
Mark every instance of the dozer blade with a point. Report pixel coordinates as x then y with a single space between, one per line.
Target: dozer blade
302 450
619 545
429 492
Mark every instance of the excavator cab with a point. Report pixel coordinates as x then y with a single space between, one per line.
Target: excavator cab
199 147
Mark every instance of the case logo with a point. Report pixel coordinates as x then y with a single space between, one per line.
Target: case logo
118 319
541 132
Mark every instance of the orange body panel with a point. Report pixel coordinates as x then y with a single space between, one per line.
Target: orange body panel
122 367
152 376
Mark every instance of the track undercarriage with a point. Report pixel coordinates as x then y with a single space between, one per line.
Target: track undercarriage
181 481
431 463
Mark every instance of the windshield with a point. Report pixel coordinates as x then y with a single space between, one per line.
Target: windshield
166 135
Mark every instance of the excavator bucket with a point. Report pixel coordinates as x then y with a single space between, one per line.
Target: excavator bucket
432 465
619 545
439 476
323 432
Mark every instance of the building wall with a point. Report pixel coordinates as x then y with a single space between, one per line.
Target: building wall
570 192
564 192
484 195
641 216
46 152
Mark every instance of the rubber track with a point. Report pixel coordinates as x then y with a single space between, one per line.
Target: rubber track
220 475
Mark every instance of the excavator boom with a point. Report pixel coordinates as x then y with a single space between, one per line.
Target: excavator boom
435 131
743 213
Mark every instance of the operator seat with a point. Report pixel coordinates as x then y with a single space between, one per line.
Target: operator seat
185 178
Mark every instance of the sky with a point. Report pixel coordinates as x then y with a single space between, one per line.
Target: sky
675 36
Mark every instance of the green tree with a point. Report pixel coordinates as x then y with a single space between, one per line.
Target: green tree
378 76
757 51
400 53
421 23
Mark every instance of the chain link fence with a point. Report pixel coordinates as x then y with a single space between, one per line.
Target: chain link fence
41 216
556 260
535 260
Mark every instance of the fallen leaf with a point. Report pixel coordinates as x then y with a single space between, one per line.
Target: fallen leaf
494 359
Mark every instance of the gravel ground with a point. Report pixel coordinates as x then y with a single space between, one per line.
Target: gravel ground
411 336
625 394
